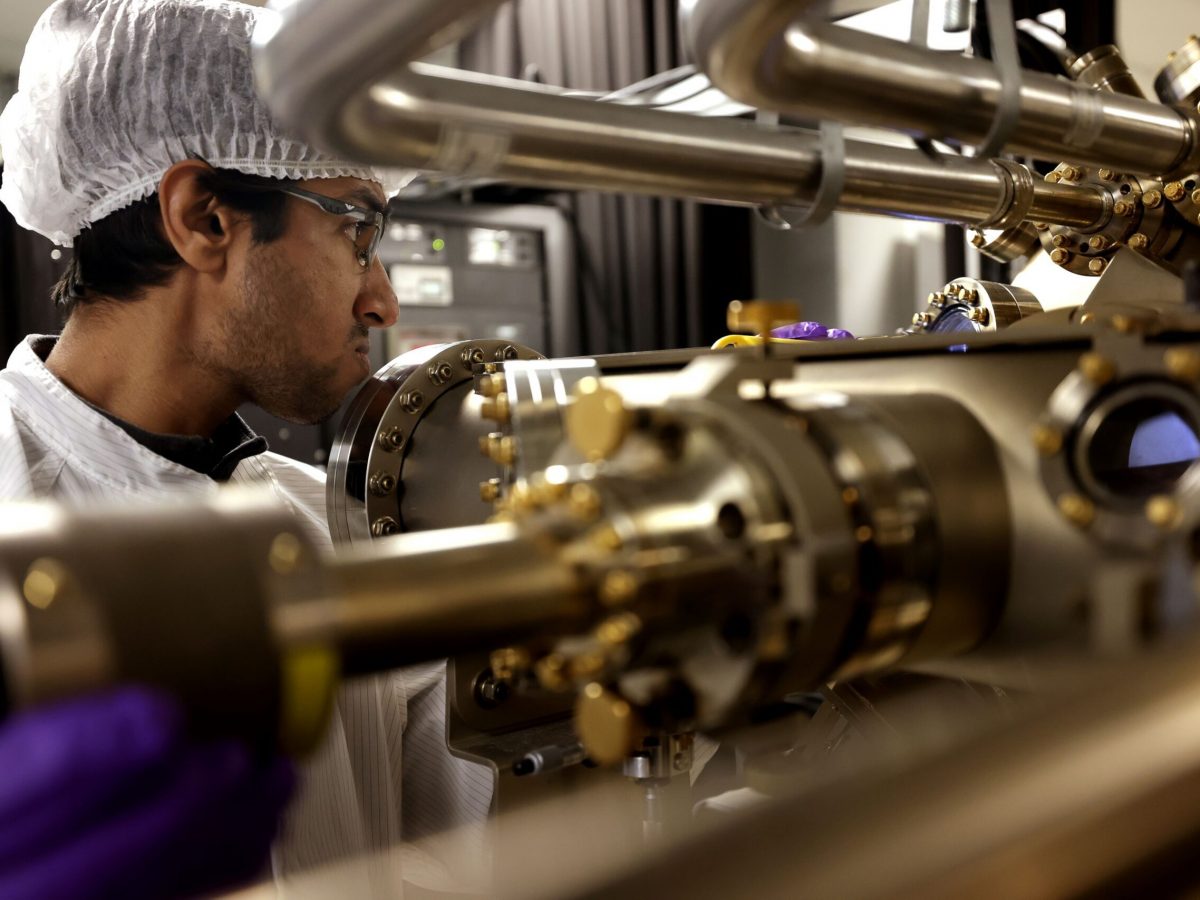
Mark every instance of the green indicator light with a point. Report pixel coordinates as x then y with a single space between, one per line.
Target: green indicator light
438 245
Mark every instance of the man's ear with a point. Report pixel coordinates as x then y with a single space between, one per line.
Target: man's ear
194 222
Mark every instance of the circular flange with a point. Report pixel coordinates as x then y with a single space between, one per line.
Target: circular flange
1138 209
971 306
365 488
1119 442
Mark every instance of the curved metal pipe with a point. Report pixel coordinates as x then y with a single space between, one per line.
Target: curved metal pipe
776 54
324 72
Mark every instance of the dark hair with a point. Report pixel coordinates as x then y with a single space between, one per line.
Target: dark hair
126 251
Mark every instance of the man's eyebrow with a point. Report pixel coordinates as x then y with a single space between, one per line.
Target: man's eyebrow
367 198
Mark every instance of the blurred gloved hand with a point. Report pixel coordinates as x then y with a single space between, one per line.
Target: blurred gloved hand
811 331
106 797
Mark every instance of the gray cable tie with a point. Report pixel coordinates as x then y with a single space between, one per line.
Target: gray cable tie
829 187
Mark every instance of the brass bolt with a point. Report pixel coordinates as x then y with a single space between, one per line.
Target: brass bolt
863 533
617 630
1096 266
543 492
285 553
605 537
504 451
1138 241
952 289
492 385
1164 512
978 240
607 725
618 587
1071 173
489 444
489 490
1060 256
1041 226
1183 364
1053 177
850 496
1047 439
1196 196
383 526
496 408
1123 324
412 401
508 662
583 502
1097 242
391 440
1152 199
1123 208
1174 191
440 373
1107 174
969 295
44 582
937 298
588 665
1077 509
1097 369
1059 240
382 484
551 672
980 315
922 318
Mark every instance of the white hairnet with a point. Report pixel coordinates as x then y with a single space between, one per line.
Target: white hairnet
112 93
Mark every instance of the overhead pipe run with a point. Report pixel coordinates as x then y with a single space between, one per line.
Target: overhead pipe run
344 75
783 56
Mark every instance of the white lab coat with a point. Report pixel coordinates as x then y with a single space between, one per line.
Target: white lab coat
54 445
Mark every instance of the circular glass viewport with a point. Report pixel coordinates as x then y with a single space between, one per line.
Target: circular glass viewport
1138 443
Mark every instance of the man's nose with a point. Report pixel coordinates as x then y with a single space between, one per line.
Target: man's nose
376 305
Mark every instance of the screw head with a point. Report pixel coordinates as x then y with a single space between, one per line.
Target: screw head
606 724
1059 240
492 385
391 440
1097 266
1152 199
1164 512
471 356
1060 257
1077 509
496 408
618 587
1123 208
1107 174
382 484
383 526
1097 242
412 401
489 490
440 373
1138 241
1053 177
978 240
1047 439
1174 191
1097 369
1183 364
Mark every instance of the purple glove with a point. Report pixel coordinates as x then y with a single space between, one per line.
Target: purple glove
106 797
811 331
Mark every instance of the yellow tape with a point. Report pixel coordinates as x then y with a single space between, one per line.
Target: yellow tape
751 340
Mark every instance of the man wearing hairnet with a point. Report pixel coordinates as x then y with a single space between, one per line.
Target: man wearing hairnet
216 261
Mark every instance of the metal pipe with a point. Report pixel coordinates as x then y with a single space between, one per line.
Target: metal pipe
460 123
428 595
775 54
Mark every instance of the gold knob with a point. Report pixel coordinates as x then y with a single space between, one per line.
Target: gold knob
607 725
596 420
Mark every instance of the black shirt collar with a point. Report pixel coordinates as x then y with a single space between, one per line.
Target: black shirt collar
216 456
